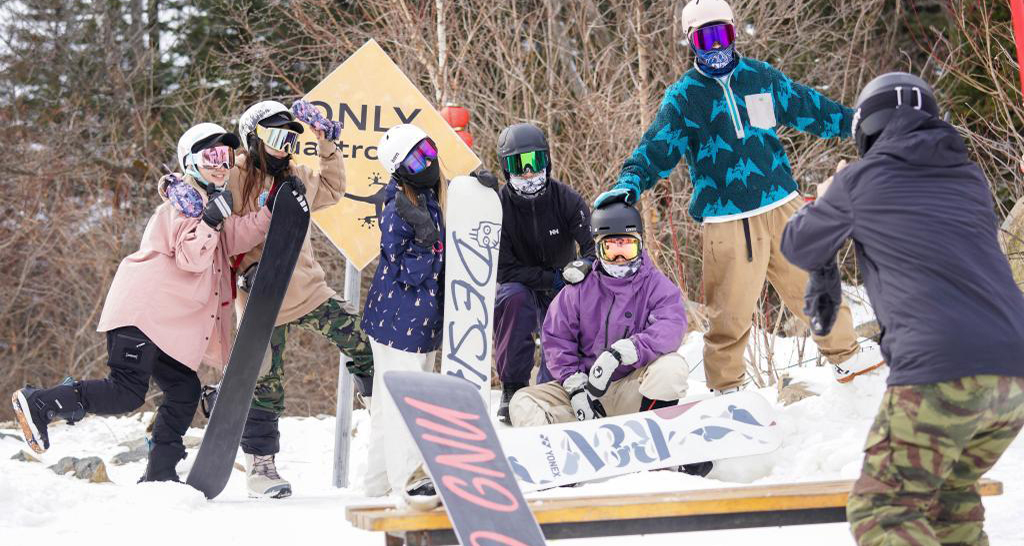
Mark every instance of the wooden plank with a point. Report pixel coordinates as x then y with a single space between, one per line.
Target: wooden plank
751 499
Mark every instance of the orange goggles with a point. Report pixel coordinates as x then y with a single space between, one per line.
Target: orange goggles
614 247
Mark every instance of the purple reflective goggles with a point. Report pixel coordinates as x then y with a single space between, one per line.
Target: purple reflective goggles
711 37
418 158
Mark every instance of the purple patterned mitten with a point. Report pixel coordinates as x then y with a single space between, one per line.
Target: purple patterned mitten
306 112
182 196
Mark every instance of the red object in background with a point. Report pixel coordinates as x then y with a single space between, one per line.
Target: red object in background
1017 8
458 117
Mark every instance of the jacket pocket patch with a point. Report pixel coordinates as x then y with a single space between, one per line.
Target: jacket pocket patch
761 110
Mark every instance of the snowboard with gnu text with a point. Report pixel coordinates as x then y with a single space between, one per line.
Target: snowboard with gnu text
472 240
287 232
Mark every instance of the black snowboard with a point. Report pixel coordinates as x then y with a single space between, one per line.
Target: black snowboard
216 456
451 427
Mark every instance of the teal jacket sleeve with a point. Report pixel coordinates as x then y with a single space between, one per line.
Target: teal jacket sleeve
661 147
807 110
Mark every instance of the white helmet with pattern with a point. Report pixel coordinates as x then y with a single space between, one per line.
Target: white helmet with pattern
262 111
397 143
698 13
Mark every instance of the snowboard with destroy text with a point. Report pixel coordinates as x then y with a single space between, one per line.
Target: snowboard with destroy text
471 243
216 456
451 427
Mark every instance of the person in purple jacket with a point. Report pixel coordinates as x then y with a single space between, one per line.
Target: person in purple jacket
610 341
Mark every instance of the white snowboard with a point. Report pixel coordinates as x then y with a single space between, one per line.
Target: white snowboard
732 425
472 239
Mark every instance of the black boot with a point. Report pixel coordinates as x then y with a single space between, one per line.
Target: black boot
697 469
507 390
163 458
646 404
37 408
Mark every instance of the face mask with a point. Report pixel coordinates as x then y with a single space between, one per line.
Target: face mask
425 179
715 59
275 165
529 187
621 271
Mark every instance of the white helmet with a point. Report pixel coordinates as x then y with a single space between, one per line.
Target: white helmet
397 143
701 12
197 134
261 111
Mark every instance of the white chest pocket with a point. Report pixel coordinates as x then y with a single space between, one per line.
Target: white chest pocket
761 110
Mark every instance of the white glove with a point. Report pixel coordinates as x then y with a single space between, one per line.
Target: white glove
583 406
621 353
575 271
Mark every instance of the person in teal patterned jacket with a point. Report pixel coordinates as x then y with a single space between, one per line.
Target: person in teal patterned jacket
722 116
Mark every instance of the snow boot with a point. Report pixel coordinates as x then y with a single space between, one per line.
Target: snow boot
867 359
697 469
36 408
262 478
507 391
730 390
648 404
420 494
162 463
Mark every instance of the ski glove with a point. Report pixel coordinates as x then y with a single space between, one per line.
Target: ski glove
615 195
583 405
419 218
305 111
218 208
575 271
622 353
294 185
823 297
486 178
557 282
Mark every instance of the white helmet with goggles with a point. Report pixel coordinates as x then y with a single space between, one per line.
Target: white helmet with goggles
206 145
271 122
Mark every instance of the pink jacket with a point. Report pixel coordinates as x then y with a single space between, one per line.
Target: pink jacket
177 287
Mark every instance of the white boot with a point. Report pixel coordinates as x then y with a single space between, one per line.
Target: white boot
420 494
262 478
867 359
730 390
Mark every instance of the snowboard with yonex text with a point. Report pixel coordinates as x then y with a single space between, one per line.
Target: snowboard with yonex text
731 425
471 273
453 431
287 232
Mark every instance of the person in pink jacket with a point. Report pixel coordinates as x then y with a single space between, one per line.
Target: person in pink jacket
168 309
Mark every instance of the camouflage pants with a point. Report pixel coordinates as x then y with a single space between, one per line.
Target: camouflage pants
333 322
927 449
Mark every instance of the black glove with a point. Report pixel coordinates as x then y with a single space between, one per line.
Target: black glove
575 271
486 178
217 208
823 297
419 218
294 185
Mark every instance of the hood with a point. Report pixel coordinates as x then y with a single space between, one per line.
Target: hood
919 138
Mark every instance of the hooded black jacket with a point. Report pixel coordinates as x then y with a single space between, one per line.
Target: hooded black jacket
540 235
921 217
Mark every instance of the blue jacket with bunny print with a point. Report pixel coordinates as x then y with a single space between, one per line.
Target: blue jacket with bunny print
405 305
726 129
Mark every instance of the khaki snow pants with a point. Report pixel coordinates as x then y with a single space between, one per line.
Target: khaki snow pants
663 379
738 256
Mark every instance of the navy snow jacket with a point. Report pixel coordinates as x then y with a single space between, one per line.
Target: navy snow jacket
405 305
539 236
921 217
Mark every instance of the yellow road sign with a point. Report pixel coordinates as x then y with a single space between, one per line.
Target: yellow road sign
369 94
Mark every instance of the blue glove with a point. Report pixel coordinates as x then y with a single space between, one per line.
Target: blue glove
615 195
557 282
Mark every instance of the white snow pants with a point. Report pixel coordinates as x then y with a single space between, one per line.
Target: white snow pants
663 379
394 461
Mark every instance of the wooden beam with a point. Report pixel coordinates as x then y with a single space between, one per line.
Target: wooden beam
706 502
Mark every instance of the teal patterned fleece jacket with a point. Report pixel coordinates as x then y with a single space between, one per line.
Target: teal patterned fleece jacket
726 129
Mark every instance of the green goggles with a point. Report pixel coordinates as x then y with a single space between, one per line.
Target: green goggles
536 161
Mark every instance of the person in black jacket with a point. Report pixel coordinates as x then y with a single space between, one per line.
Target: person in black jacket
920 213
543 222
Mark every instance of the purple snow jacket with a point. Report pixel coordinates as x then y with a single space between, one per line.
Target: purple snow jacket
585 319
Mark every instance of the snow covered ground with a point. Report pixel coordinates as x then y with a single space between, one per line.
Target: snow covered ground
823 437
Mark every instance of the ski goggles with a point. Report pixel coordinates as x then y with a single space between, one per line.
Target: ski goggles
710 37
536 161
278 138
614 247
214 157
419 157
